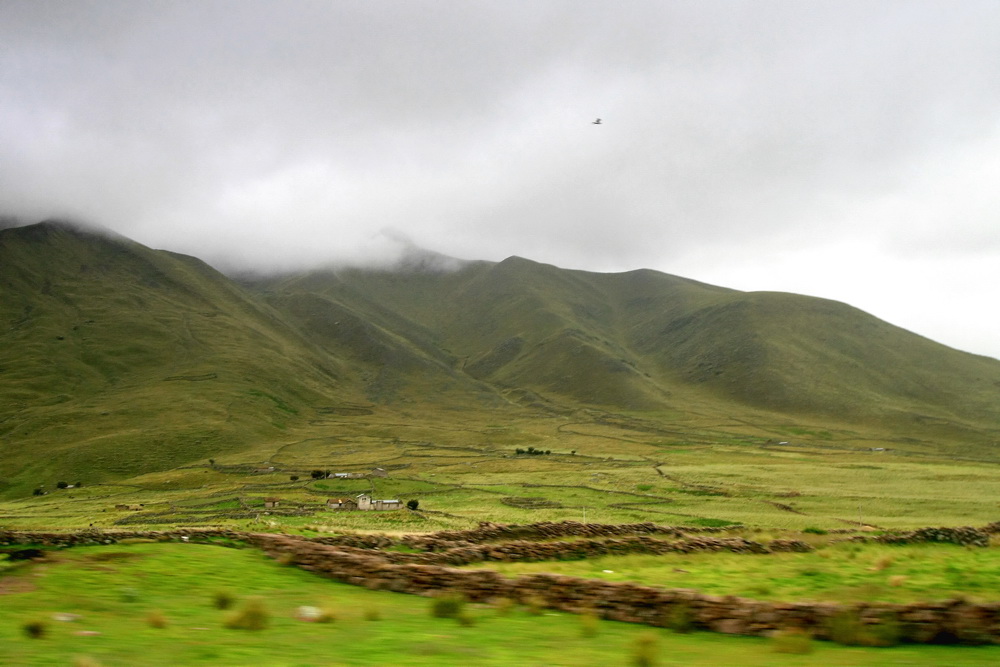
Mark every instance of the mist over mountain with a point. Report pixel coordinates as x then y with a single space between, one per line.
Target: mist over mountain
120 359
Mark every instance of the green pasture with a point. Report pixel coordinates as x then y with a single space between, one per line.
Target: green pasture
837 572
464 475
153 604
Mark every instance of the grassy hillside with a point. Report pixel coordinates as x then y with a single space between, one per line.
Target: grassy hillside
648 341
116 359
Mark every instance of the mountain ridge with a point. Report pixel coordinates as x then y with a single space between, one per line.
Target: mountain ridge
107 344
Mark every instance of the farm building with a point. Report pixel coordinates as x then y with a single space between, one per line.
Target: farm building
366 502
271 502
341 504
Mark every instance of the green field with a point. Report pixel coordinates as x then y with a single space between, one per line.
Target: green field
845 573
462 473
118 592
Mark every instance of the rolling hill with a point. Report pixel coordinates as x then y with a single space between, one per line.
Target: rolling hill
116 359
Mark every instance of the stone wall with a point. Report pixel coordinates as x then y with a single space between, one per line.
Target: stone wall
962 535
363 563
948 621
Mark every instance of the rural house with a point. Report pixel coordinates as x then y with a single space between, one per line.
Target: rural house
271 502
366 502
341 504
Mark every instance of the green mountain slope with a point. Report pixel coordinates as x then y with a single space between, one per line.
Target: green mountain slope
644 340
117 359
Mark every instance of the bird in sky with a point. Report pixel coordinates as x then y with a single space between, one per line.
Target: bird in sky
596 122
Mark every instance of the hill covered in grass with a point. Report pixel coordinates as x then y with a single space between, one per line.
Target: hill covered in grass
116 359
648 341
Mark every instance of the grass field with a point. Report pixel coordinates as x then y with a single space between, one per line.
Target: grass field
119 594
463 471
844 572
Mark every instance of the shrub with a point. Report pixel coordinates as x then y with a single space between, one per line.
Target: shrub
223 600
897 580
503 606
845 628
535 605
887 632
679 618
589 624
465 617
881 563
156 619
372 614
792 640
413 504
814 531
253 616
62 485
447 605
35 629
294 478
645 649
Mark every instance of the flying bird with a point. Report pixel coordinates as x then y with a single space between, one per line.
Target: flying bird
596 122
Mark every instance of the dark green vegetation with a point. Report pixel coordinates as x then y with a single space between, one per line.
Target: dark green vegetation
157 604
118 360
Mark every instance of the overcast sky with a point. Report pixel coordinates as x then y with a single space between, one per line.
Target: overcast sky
836 148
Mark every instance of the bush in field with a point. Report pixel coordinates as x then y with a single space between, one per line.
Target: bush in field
645 649
887 632
447 605
847 628
156 619
413 504
372 614
35 629
792 640
589 624
679 618
253 616
503 606
223 600
535 605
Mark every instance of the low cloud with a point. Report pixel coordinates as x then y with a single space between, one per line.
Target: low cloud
286 136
